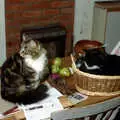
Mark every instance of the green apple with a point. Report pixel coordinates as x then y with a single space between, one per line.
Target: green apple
55 68
57 61
64 72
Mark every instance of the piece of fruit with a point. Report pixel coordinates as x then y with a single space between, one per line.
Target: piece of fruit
55 69
65 72
57 61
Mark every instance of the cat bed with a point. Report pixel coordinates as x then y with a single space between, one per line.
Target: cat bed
81 45
95 85
103 80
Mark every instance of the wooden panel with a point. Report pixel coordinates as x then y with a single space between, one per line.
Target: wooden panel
112 30
99 23
110 6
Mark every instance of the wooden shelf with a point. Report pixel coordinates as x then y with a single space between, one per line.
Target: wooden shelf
109 6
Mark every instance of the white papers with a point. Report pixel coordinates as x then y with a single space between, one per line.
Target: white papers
116 49
76 98
43 109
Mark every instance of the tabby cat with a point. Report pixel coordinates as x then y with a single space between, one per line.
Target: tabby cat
23 73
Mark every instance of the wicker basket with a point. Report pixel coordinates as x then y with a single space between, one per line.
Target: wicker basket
91 84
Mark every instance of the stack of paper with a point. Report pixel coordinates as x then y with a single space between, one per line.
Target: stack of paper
43 109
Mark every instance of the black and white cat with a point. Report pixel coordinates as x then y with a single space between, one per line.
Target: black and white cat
23 73
97 61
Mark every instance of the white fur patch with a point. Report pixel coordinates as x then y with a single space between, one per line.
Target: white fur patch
37 64
91 67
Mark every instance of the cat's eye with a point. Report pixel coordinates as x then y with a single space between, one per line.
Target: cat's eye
22 52
25 47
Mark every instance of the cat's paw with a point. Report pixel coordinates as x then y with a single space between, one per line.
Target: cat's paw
22 89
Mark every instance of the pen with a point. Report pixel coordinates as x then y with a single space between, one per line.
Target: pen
14 109
36 107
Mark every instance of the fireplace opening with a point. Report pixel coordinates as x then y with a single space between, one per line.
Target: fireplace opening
53 38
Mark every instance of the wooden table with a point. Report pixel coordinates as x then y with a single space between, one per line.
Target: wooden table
96 104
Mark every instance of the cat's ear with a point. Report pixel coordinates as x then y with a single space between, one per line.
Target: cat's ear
25 37
33 43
